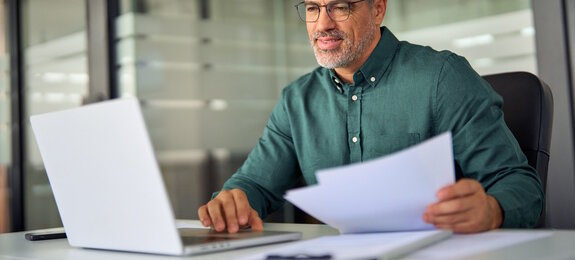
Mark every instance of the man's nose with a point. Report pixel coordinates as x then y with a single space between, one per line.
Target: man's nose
324 22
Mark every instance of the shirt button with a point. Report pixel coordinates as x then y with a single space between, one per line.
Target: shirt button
372 79
336 81
354 139
354 98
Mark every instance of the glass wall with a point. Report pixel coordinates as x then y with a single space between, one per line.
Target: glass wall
209 71
495 36
5 114
409 15
55 77
208 74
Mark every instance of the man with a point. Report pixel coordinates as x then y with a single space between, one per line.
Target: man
374 95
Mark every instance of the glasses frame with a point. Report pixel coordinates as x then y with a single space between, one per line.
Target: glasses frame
302 4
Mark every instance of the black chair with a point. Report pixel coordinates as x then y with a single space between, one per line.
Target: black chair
528 112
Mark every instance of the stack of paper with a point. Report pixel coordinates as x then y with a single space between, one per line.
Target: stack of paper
386 194
356 246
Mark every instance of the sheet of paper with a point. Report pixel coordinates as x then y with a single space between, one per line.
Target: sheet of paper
462 246
359 246
385 194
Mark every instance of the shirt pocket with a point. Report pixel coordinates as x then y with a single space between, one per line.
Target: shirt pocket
385 144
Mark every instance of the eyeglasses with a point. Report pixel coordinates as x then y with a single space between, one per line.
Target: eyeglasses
337 11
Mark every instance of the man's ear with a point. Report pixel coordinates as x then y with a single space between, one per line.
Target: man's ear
380 6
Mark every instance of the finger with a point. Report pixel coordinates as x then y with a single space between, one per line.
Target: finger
204 216
461 188
463 227
242 206
453 206
450 219
229 208
445 227
216 217
255 221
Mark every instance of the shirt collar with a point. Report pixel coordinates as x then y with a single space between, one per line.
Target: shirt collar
381 57
377 63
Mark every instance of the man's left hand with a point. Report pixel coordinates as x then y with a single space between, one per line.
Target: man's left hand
464 207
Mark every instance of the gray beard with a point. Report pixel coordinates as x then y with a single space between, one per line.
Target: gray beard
346 54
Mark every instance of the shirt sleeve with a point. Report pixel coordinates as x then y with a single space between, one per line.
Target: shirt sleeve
483 146
271 168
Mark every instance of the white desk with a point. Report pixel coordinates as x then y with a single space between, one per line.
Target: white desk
559 245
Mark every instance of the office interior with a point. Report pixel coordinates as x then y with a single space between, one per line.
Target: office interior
208 73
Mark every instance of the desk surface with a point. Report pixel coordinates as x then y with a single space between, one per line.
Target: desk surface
552 244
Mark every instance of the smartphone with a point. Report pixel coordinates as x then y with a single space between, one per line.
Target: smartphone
44 235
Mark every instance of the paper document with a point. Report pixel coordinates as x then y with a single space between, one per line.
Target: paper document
357 246
385 194
465 246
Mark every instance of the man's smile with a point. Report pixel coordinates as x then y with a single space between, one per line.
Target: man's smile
328 43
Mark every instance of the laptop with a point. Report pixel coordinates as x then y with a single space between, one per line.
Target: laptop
109 189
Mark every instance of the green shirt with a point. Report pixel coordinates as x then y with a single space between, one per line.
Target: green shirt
402 95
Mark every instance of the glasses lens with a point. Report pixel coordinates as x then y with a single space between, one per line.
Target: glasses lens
308 12
338 11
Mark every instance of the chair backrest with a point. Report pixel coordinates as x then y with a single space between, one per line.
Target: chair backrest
528 112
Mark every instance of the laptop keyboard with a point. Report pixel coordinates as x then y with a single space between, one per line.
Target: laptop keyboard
192 236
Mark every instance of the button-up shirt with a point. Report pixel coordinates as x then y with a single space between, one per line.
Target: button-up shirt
402 95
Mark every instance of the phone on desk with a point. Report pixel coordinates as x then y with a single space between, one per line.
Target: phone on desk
45 235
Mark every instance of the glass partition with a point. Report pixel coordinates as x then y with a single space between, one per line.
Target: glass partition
55 77
208 74
409 15
495 36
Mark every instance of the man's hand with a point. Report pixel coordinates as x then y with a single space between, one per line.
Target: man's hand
230 210
464 207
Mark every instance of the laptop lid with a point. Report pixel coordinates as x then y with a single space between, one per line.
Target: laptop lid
107 183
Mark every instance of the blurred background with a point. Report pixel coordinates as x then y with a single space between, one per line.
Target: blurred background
208 73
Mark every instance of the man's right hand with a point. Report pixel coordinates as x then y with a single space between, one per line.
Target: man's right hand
230 210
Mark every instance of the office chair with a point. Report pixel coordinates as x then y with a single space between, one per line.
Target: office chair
528 112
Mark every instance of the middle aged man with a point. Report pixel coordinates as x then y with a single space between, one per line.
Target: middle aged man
374 95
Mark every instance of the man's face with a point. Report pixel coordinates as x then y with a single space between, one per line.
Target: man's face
342 44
